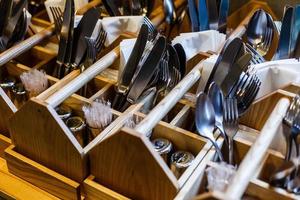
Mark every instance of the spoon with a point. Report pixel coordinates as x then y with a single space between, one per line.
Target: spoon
256 28
216 96
205 120
170 15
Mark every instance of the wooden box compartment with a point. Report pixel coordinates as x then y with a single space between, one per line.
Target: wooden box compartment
258 188
153 170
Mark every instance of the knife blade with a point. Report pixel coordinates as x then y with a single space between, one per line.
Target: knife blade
84 29
234 73
295 28
147 70
212 14
203 15
111 8
223 13
66 33
226 58
182 58
6 8
193 15
131 66
283 49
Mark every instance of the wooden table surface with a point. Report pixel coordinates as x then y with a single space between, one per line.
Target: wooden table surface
12 187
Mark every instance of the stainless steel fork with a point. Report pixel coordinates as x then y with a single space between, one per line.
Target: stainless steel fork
230 123
58 19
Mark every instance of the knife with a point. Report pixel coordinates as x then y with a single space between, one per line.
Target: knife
295 28
146 71
65 45
212 14
283 49
8 31
223 13
84 29
193 15
234 74
111 8
131 65
226 58
203 15
6 8
182 58
297 48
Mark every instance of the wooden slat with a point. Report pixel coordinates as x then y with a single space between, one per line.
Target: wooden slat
41 176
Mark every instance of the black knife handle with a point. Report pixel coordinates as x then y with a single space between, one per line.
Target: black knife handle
125 106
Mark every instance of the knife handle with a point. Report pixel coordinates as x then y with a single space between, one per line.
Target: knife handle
118 100
125 106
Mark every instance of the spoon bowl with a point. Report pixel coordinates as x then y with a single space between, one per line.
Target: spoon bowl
205 120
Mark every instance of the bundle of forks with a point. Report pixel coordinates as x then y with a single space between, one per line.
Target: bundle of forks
13 22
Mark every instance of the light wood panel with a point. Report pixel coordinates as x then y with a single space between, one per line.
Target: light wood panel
41 176
39 133
132 167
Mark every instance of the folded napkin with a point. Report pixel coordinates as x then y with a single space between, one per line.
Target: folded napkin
116 26
203 41
61 4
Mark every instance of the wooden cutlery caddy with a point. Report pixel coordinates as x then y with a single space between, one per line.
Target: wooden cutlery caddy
124 165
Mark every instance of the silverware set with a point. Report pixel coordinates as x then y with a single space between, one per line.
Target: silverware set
287 175
208 14
231 89
152 64
13 22
77 48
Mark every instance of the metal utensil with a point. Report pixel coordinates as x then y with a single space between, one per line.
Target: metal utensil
58 19
223 13
193 13
6 8
283 49
231 123
234 74
256 28
131 66
146 71
170 15
65 43
203 15
12 24
216 96
212 14
84 29
205 120
295 31
225 60
182 58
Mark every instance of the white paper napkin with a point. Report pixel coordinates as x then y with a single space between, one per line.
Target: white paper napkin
203 41
115 26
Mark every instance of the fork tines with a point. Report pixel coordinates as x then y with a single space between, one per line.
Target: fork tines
151 27
58 19
100 40
256 57
245 91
